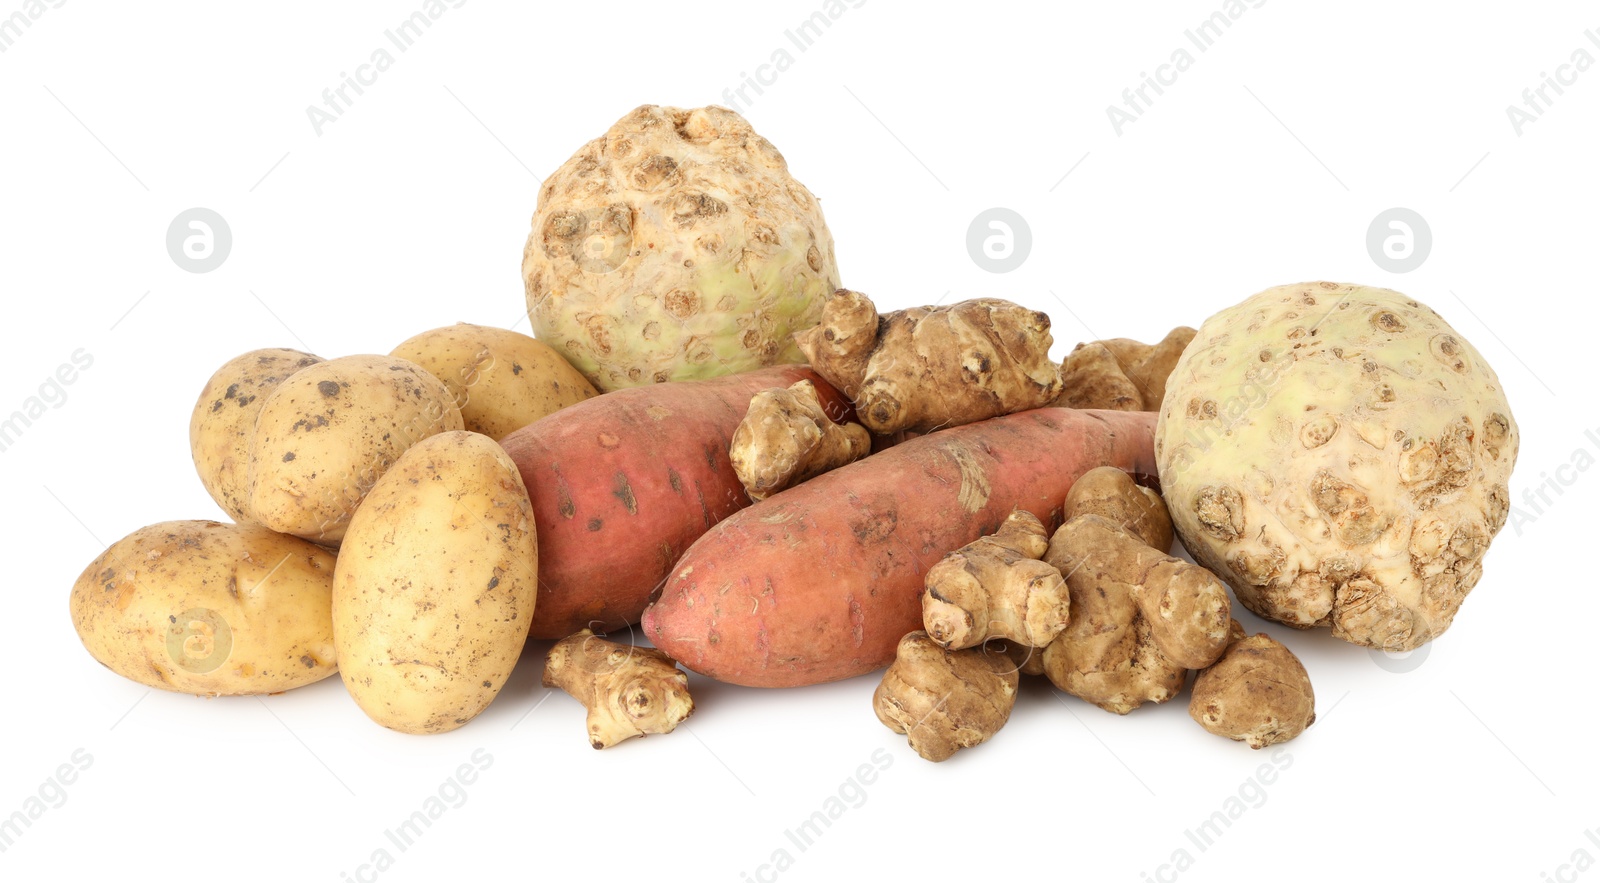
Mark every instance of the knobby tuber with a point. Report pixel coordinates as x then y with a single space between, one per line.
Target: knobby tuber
945 700
1140 618
786 438
997 587
1111 493
629 691
1121 374
928 368
1257 693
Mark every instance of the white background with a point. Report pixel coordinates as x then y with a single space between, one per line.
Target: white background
1264 164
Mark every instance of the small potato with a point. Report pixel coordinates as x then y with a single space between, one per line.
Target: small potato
502 380
436 585
210 609
224 422
326 435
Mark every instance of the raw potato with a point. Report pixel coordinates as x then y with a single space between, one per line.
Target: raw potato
930 368
326 435
501 380
1121 374
787 437
629 691
820 582
1140 618
210 609
997 587
676 247
223 423
624 482
1340 455
436 585
944 701
1257 693
1112 494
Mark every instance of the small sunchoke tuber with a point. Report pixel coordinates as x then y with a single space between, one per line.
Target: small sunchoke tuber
787 438
997 587
1111 493
1121 374
930 368
629 691
945 700
1257 693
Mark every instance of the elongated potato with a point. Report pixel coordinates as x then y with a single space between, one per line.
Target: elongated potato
326 435
210 609
623 483
822 581
224 422
436 585
502 380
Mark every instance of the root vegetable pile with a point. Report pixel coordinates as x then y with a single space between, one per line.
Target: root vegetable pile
932 498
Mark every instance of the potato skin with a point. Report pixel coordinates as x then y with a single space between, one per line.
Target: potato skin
821 582
436 585
210 609
326 434
224 422
623 483
501 380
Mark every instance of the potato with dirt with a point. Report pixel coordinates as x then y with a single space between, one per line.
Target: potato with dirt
210 609
436 585
327 434
501 380
223 424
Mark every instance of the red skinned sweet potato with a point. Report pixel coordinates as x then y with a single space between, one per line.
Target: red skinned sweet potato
622 483
820 582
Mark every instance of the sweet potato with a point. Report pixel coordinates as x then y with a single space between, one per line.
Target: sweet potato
821 581
621 484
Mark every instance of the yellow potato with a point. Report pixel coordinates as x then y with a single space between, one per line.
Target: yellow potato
436 585
224 422
326 435
210 609
502 380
